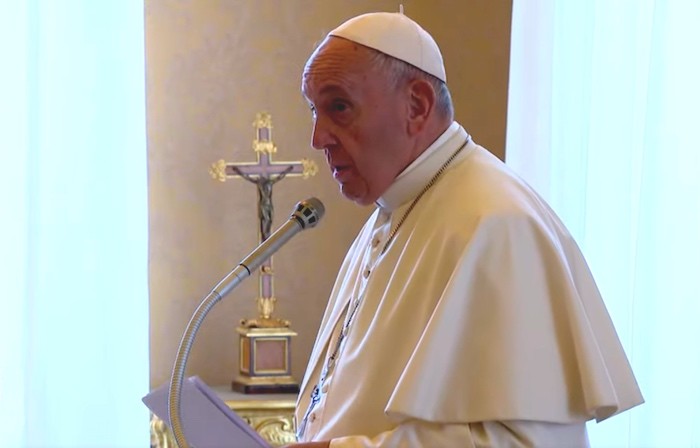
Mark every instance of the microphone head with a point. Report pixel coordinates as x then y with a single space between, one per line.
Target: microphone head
309 212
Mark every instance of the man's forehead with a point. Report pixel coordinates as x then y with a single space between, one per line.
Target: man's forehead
337 66
318 87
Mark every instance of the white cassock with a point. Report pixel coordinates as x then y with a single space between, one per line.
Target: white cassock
480 325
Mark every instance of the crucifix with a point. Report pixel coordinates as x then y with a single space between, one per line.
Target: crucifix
264 349
264 173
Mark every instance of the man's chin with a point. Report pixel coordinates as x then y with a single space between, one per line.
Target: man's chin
359 199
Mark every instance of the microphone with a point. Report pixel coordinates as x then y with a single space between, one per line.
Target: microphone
305 215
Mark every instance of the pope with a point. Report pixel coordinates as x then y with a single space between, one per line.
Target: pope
464 314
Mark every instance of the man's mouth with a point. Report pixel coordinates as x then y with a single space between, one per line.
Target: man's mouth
340 171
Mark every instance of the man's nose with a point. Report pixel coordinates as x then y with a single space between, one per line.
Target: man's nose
321 137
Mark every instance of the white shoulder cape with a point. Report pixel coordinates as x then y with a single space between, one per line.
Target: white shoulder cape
482 309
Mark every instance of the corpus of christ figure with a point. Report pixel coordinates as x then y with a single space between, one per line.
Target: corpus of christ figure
265 207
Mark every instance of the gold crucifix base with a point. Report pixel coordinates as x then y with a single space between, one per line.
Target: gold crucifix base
265 361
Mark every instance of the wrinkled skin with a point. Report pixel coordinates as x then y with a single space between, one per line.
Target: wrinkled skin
361 120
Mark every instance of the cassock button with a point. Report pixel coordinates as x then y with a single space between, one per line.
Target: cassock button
312 417
366 273
375 242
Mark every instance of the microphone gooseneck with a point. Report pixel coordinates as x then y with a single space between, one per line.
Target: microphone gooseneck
306 214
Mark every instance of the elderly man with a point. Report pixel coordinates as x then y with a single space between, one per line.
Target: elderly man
464 314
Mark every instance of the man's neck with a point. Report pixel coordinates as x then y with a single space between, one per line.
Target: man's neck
433 130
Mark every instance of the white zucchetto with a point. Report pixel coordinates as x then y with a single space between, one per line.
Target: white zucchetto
395 35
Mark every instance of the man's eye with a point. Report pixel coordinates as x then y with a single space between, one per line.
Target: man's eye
339 106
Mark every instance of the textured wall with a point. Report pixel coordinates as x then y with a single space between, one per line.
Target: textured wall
211 66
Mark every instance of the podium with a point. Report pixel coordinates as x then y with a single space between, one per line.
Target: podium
271 415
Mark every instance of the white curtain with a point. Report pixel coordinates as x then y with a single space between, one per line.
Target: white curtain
603 121
73 233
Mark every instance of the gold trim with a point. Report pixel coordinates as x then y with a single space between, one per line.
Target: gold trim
262 323
257 381
312 169
218 170
266 305
309 168
239 405
278 431
258 332
264 147
244 355
263 120
264 381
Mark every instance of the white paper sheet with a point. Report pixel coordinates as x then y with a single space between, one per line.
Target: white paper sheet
206 420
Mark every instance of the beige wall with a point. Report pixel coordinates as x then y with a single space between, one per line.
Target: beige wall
211 66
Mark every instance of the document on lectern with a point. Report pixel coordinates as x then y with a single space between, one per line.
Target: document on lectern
206 420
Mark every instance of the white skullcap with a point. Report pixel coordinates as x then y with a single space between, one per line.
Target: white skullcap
398 36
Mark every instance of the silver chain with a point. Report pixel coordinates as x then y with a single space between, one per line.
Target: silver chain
315 395
339 341
428 186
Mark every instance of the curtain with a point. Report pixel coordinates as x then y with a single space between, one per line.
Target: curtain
602 121
73 233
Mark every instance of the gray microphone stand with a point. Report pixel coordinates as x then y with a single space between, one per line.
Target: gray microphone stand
306 215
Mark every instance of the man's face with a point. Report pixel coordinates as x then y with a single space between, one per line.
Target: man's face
359 119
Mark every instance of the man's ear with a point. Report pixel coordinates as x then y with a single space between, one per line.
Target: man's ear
421 104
